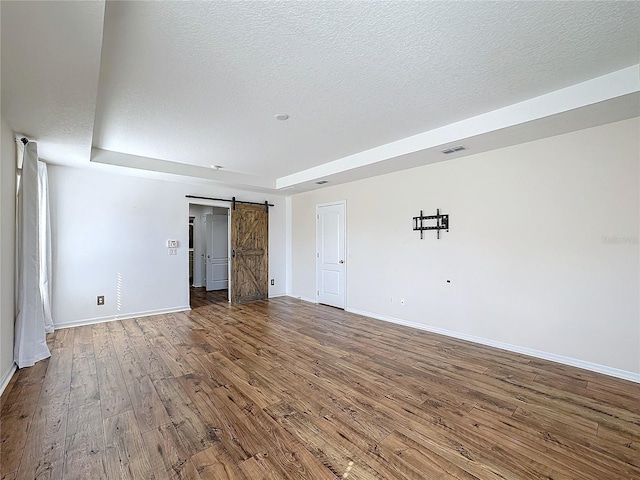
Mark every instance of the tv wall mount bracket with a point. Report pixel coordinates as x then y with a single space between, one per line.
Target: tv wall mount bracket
425 222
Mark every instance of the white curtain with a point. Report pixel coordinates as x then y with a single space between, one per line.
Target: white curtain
33 262
45 245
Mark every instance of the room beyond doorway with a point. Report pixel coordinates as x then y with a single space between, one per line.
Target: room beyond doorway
209 257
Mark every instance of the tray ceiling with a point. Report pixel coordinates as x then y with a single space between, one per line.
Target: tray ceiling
179 87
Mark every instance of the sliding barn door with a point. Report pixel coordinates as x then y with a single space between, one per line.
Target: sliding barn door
249 253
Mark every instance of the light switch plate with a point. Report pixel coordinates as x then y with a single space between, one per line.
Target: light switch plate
172 243
173 251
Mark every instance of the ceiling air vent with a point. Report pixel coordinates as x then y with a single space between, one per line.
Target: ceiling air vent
449 150
322 182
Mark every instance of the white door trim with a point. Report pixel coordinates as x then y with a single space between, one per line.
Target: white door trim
346 262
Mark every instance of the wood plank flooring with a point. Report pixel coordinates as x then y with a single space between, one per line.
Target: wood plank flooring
281 389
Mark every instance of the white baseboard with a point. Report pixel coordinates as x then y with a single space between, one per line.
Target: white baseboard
6 377
111 318
304 299
276 295
574 362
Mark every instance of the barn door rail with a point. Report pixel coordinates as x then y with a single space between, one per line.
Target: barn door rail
233 201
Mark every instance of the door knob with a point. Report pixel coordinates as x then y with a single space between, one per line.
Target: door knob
341 261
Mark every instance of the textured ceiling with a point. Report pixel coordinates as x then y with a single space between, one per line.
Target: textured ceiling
199 83
50 67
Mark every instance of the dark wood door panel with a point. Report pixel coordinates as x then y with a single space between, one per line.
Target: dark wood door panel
249 245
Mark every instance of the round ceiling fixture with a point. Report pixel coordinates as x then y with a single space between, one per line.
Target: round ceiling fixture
282 116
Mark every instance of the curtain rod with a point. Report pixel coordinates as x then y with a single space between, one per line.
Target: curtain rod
233 201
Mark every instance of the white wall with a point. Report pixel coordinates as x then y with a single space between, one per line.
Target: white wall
110 237
7 250
542 253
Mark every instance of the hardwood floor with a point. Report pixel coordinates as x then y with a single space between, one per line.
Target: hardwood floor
285 389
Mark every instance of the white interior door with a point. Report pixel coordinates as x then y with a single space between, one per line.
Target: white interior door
330 254
217 259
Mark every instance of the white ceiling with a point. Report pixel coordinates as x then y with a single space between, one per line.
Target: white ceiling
370 87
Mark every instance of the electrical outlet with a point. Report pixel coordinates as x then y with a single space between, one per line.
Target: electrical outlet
273 281
173 251
100 299
402 301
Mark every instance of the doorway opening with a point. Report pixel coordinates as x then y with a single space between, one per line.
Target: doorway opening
209 257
